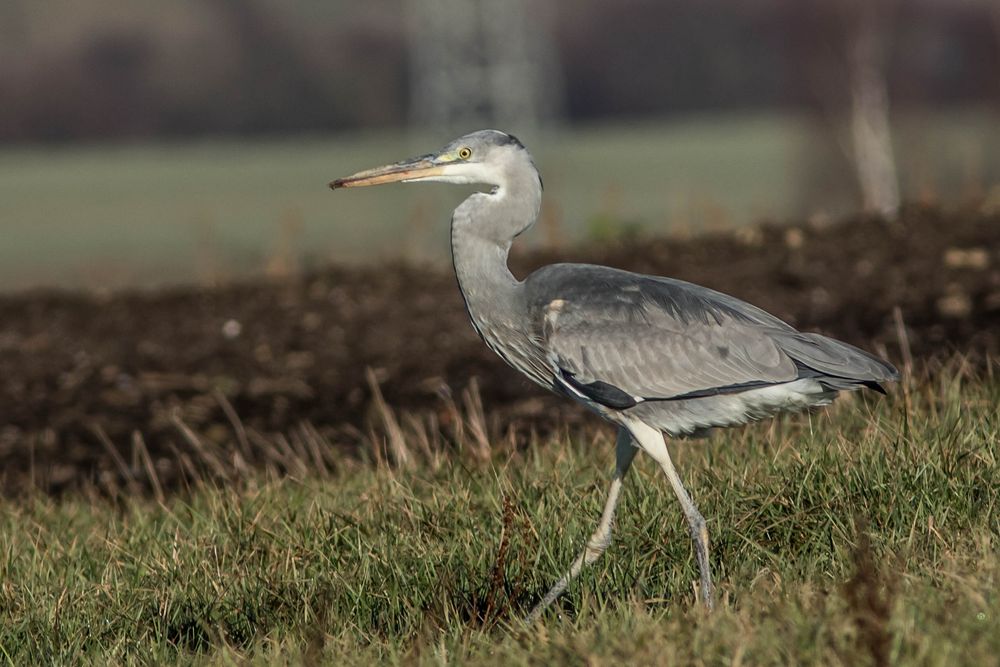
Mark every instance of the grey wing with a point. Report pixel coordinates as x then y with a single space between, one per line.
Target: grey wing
618 338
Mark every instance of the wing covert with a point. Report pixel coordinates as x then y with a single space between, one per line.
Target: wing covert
654 339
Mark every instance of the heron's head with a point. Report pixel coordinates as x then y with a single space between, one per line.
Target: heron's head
487 157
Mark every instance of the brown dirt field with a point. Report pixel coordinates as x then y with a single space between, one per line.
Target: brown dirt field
85 378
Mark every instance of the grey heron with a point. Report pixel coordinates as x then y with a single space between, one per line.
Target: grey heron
652 355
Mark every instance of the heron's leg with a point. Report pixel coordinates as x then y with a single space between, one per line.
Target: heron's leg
651 441
625 451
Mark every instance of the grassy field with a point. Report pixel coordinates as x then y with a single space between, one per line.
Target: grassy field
101 216
866 534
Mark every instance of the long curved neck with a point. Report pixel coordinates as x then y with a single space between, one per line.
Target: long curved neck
480 261
482 230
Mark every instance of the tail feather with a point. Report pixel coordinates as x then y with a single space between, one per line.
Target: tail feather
837 364
871 384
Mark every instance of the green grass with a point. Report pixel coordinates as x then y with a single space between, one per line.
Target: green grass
434 564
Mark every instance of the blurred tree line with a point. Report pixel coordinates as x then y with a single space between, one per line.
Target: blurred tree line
137 68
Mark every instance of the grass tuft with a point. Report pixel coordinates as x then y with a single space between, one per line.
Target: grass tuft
864 534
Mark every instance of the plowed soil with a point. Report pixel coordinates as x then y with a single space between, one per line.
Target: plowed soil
85 378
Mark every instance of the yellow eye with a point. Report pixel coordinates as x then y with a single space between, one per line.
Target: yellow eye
465 153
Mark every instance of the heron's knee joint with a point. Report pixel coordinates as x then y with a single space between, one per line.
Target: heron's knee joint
595 548
699 529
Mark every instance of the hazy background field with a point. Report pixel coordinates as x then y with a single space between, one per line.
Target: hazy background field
154 213
143 144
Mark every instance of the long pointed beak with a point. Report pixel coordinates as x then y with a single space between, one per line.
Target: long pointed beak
407 170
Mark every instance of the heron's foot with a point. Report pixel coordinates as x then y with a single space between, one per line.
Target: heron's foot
699 535
707 593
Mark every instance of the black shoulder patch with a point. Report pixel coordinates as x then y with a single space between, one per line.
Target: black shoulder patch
600 392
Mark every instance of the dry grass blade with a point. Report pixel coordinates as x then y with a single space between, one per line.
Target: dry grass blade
265 446
139 445
419 431
398 449
235 421
476 419
290 459
189 473
208 457
123 468
903 338
301 450
453 416
316 445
